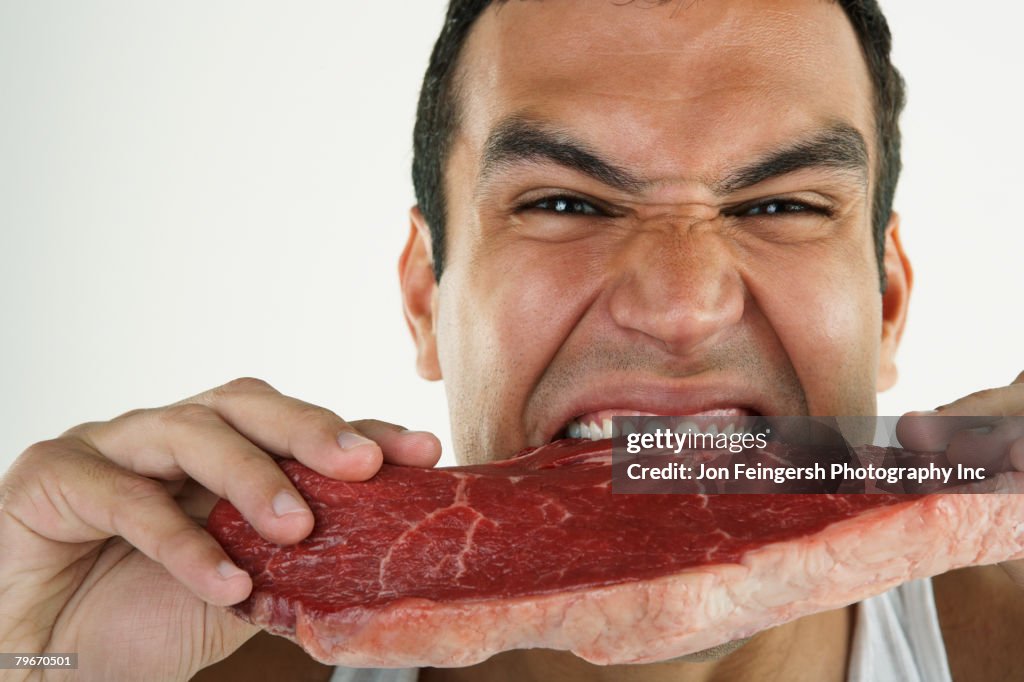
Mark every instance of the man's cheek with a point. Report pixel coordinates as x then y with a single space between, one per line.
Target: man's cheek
501 323
534 290
828 322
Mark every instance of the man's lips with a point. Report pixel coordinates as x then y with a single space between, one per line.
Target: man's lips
600 424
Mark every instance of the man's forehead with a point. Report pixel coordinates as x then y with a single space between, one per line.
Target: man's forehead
671 86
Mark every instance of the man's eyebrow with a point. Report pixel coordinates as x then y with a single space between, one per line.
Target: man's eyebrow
519 140
840 146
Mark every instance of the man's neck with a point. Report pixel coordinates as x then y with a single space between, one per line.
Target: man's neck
813 648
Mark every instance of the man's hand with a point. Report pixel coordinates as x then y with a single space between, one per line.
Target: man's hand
103 551
983 429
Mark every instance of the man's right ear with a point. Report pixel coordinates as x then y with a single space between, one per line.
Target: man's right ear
420 295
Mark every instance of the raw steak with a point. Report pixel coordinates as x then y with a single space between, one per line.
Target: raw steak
445 567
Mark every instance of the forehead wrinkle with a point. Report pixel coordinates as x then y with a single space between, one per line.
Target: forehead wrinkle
479 69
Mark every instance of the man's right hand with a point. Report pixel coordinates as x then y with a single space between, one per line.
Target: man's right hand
103 552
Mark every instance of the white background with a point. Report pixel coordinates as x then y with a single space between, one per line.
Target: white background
195 191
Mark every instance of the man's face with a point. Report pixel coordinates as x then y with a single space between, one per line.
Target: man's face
657 210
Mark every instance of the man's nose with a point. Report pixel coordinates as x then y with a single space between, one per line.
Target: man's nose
678 284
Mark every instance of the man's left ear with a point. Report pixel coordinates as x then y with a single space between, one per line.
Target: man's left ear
419 295
900 280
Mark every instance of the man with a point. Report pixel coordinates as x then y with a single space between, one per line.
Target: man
658 208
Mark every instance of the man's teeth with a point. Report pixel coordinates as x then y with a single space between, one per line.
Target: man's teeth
592 430
653 426
606 428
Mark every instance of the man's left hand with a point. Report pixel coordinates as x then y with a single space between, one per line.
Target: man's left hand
983 429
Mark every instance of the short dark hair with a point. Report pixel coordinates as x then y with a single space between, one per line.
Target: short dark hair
437 116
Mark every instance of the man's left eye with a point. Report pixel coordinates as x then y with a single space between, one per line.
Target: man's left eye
565 205
778 206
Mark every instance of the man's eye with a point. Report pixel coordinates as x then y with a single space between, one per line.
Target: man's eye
564 205
779 206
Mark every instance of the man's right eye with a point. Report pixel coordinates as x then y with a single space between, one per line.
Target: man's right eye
563 204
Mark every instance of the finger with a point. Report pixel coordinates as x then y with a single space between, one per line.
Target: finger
989 446
192 440
196 501
401 446
77 496
932 431
1016 454
145 516
289 427
1004 401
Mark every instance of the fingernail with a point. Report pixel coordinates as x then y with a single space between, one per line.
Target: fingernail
227 570
349 441
410 432
285 503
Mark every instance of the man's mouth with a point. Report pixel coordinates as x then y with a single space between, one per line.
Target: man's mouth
598 425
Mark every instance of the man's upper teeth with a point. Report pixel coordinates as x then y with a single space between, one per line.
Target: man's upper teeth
686 426
653 426
594 429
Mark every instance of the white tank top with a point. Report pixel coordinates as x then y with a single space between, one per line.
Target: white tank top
896 639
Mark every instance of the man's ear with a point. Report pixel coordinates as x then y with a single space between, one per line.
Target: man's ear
419 295
895 300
